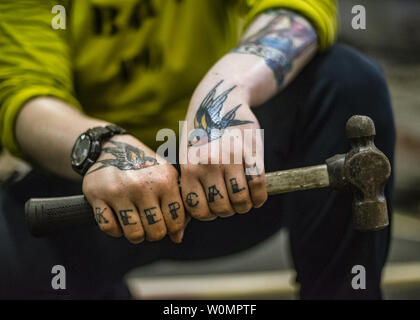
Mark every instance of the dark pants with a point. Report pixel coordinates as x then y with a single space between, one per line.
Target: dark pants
304 125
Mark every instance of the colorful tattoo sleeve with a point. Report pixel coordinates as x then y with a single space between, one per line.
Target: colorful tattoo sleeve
281 40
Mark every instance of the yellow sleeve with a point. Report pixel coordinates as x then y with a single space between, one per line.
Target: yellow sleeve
34 61
321 13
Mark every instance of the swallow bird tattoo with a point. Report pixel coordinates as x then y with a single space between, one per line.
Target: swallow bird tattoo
126 156
209 125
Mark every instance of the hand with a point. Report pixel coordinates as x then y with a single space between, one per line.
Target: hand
134 192
212 190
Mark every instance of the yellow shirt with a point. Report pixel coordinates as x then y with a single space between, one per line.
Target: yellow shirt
131 62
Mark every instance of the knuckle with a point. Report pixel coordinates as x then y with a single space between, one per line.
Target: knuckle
223 211
135 236
203 215
89 190
166 181
242 205
133 183
113 191
110 229
260 199
173 228
157 234
176 225
257 182
172 172
188 169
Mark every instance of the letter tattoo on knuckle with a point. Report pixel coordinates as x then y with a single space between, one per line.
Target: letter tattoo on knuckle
150 215
100 219
235 186
125 217
173 208
213 192
191 199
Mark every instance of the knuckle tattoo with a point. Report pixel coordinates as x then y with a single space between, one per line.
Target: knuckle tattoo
213 193
99 216
126 217
192 199
150 214
173 209
235 186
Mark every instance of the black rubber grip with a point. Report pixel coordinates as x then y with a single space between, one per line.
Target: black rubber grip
48 215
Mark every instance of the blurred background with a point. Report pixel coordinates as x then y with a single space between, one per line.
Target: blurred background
392 37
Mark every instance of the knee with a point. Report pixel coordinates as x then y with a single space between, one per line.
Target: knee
358 85
355 77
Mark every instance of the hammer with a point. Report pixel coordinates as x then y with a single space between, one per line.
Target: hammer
364 171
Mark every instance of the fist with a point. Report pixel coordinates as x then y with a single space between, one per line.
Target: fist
134 193
230 180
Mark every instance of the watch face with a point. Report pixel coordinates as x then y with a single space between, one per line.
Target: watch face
81 150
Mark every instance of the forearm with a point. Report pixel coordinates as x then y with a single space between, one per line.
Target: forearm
46 129
273 51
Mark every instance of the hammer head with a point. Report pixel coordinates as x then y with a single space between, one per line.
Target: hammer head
366 171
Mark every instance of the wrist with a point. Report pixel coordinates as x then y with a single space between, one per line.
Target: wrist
88 146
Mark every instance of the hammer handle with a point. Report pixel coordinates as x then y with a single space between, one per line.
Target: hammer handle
297 179
48 215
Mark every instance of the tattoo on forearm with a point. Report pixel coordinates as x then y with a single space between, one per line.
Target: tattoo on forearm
150 215
100 219
173 208
125 217
235 186
126 156
282 40
191 199
213 192
209 124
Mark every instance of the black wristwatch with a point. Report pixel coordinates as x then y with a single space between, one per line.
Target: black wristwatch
88 146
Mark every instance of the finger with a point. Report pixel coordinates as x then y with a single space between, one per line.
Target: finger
105 218
178 236
256 184
217 195
194 198
173 212
129 220
254 170
151 217
237 187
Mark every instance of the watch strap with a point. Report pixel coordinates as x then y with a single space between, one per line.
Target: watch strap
104 133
